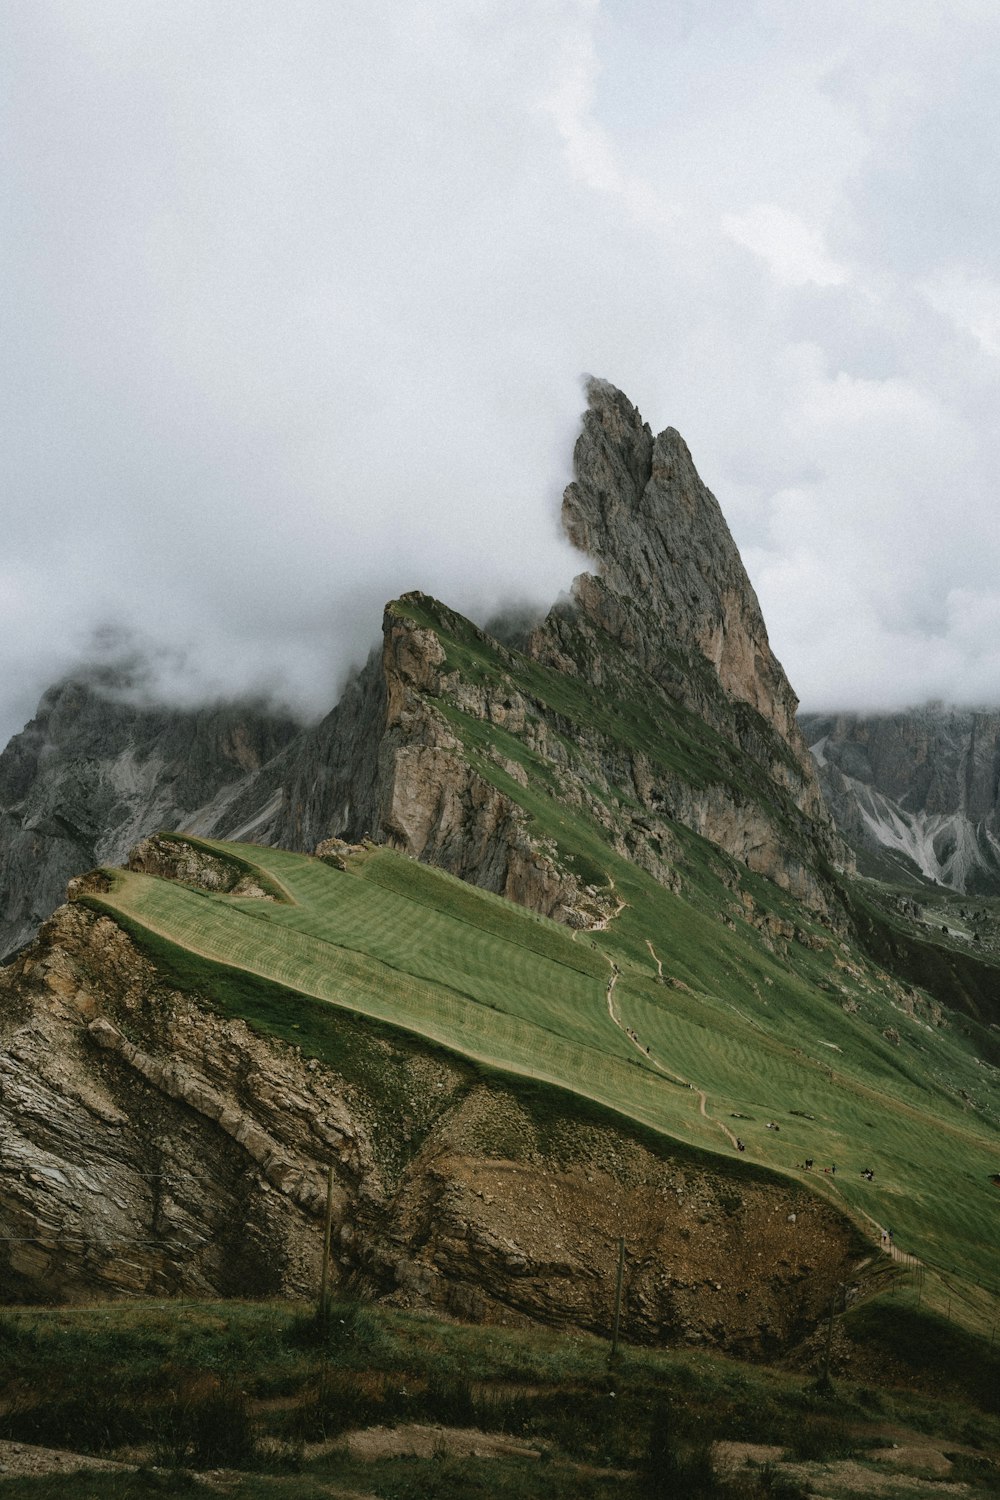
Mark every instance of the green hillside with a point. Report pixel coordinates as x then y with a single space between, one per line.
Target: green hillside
740 1031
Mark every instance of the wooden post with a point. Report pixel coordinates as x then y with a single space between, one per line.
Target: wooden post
829 1344
324 1283
618 1302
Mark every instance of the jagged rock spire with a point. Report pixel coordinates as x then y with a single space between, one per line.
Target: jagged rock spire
669 574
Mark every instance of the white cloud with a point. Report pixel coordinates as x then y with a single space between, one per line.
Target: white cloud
297 299
792 250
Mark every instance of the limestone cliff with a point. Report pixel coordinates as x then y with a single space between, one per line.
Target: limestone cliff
150 1145
671 587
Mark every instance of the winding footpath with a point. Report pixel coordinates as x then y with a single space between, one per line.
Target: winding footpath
903 1257
667 1073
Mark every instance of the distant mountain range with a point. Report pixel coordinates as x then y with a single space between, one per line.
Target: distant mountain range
916 794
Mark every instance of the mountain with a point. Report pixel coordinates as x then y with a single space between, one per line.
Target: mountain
576 957
916 794
650 696
667 631
94 771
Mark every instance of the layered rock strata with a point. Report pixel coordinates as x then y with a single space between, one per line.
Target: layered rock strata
151 1146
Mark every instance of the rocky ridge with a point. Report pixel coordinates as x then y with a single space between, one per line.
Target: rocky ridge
667 630
665 639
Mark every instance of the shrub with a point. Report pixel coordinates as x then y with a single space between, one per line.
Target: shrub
210 1429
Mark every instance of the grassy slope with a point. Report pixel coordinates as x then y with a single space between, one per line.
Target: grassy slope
234 1385
773 1035
411 946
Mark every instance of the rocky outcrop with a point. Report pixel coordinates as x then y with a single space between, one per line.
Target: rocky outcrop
150 1145
669 630
916 793
187 861
94 771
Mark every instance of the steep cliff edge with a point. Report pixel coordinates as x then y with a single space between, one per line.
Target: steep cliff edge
670 579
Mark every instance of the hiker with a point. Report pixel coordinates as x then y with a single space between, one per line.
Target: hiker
809 1163
739 1145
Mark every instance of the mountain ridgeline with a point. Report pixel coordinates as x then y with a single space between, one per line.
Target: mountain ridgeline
654 679
536 942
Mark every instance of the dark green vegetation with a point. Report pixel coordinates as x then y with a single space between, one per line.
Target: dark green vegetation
256 1388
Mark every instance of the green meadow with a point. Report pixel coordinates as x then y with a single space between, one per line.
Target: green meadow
738 1035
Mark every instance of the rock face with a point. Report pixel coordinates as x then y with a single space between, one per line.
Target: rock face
92 773
152 1146
670 580
669 630
918 792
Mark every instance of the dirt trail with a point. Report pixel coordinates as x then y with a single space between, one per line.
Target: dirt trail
667 1073
659 966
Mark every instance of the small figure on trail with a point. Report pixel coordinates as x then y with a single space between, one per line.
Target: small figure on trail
739 1145
647 1051
809 1163
868 1174
771 1126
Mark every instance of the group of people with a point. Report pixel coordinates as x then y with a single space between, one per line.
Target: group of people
631 1033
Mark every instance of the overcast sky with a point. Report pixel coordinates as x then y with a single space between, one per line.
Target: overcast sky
297 298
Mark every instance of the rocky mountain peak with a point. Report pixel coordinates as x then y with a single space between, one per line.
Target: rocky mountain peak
670 574
670 585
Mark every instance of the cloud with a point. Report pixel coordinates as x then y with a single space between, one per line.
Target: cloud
792 249
298 299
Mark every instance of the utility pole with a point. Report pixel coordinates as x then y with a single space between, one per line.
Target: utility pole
618 1303
323 1314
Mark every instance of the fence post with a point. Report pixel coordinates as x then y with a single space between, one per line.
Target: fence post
618 1302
